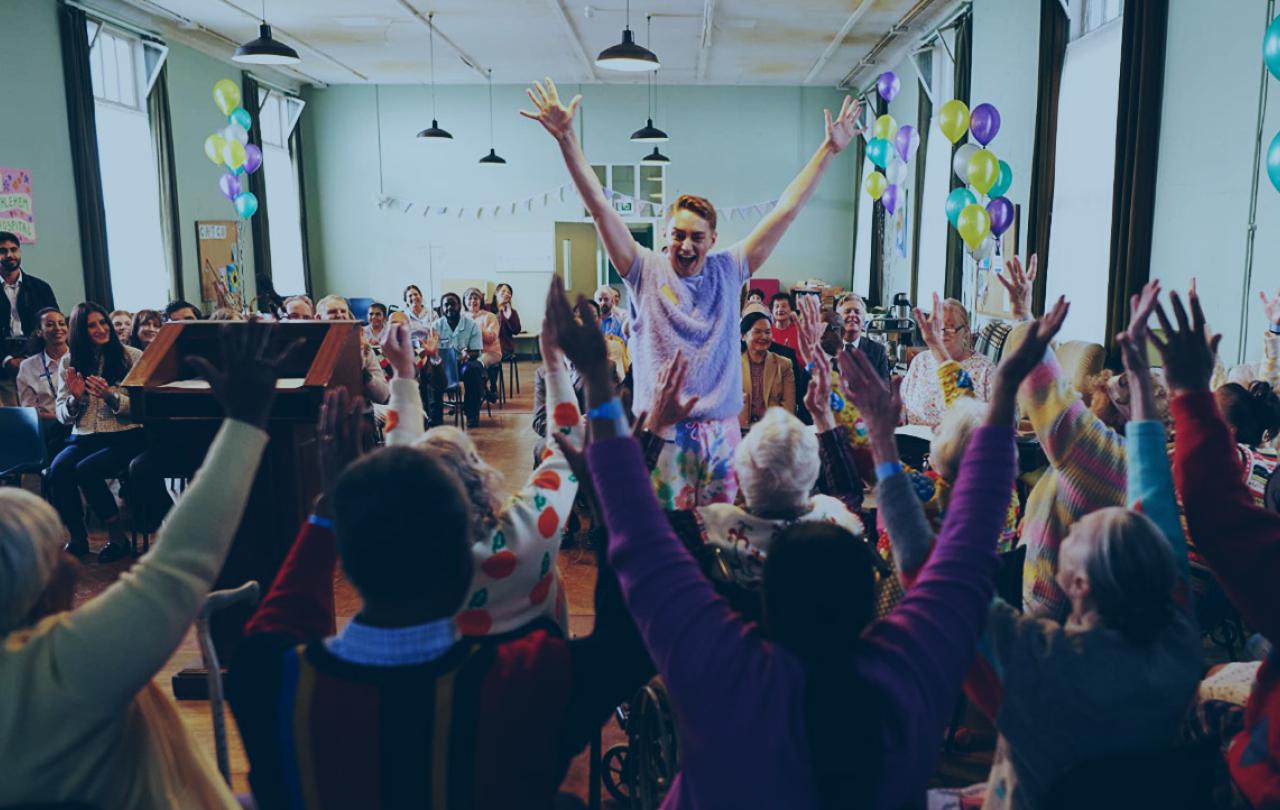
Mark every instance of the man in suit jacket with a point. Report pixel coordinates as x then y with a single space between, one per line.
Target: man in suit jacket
777 380
853 319
24 296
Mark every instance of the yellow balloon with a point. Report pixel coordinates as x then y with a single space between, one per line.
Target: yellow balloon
213 148
974 225
953 119
984 170
875 184
233 154
885 127
226 94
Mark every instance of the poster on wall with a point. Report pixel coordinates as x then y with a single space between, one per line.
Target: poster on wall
220 280
17 204
992 298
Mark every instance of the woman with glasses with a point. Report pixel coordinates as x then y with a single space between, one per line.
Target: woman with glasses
923 400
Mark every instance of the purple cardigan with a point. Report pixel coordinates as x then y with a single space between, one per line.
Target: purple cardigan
740 698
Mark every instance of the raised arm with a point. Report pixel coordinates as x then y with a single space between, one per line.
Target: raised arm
760 243
405 422
557 119
1269 368
839 470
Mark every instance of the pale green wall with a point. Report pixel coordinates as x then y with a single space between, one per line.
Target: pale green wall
735 145
34 136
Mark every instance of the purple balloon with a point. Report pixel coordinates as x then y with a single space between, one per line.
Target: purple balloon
889 199
887 85
252 158
984 123
906 140
1001 212
230 185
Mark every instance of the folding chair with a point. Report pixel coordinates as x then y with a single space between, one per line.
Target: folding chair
452 392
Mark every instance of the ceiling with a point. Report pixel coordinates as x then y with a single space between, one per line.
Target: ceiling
713 42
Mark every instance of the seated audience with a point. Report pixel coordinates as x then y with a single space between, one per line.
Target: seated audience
181 311
613 321
767 379
501 719
754 296
491 347
421 317
1254 417
85 721
122 323
786 326
852 311
454 330
38 378
299 308
376 392
376 331
25 296
103 437
946 333
814 707
508 319
146 325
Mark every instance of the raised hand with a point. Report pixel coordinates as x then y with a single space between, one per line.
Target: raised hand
1133 350
581 341
811 326
398 349
75 382
879 403
817 398
245 386
931 330
338 441
554 116
845 126
1272 307
668 408
1017 364
431 346
1020 285
1188 351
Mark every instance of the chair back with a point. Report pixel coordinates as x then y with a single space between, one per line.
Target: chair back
1080 360
449 360
23 447
360 308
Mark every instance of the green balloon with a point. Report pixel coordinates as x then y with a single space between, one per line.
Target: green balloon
957 201
1003 182
879 151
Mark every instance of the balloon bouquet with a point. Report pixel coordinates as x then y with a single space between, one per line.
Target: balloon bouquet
229 148
1271 56
980 210
890 148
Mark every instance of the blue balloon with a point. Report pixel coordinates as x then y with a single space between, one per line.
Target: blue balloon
1273 161
246 204
1271 47
957 201
879 151
240 116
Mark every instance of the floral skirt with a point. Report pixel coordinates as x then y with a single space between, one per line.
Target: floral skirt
696 468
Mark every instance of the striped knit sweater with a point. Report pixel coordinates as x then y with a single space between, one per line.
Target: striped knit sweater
1086 472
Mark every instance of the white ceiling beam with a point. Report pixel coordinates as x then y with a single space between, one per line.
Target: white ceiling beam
704 39
837 40
467 59
588 64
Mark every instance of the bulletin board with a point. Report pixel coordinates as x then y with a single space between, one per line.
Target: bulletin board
216 251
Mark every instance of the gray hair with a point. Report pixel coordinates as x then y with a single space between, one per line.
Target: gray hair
1131 572
328 301
777 463
481 481
31 536
951 438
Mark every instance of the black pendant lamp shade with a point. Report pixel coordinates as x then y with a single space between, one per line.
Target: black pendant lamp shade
491 159
433 131
649 134
655 158
627 55
266 51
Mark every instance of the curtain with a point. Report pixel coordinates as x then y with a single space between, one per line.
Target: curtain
162 141
924 118
297 150
1054 34
258 185
954 282
875 286
83 128
859 159
1142 50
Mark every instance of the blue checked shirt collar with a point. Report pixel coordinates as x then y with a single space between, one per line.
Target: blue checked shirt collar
393 647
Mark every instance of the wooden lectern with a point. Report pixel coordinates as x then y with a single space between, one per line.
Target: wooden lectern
181 418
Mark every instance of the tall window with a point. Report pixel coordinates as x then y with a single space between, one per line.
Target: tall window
124 68
937 179
278 115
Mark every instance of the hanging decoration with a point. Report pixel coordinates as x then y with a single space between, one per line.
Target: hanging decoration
979 210
229 149
890 148
1271 58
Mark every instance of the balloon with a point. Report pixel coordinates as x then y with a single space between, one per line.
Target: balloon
875 185
1004 182
213 148
246 204
1001 212
252 158
235 132
230 185
907 140
953 119
887 85
240 116
896 171
233 154
226 94
984 123
984 170
879 150
1271 47
960 160
973 224
1273 161
958 200
889 199
885 127
983 251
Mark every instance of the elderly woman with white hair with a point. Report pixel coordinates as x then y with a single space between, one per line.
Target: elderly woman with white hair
81 719
949 338
517 539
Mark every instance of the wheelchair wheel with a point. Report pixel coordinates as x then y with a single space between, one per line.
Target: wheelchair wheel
613 770
653 755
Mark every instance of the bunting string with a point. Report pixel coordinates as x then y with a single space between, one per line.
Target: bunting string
624 203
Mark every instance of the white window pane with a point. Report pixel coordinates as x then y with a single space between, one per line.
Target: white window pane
131 197
862 255
937 184
128 73
269 120
287 270
95 69
1080 239
110 68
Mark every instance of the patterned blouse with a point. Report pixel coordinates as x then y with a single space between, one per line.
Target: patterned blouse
922 396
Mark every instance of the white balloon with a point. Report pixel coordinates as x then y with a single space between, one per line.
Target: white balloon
984 250
896 173
960 162
235 132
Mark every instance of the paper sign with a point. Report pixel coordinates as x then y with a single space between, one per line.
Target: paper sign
17 207
216 248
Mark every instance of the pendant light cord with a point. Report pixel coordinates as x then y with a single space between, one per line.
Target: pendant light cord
648 36
431 29
491 109
264 11
377 112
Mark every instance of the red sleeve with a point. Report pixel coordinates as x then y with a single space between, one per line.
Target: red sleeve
1240 541
300 602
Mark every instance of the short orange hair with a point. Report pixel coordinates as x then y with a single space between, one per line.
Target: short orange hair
698 205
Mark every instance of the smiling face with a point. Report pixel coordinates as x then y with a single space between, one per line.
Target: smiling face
147 331
123 324
413 297
336 310
853 316
452 308
377 318
759 336
955 332
503 294
689 240
53 328
474 302
99 329
782 312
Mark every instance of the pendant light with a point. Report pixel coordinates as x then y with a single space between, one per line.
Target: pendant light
627 55
649 133
491 159
655 158
433 131
264 50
